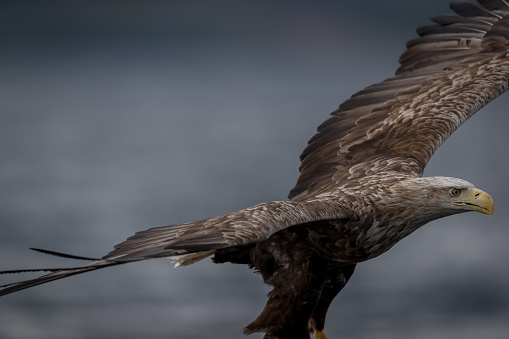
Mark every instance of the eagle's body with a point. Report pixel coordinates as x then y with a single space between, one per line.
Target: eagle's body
360 188
322 255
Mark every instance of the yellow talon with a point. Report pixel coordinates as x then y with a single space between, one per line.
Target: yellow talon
320 335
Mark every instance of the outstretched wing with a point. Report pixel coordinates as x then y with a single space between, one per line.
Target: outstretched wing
452 70
203 237
238 228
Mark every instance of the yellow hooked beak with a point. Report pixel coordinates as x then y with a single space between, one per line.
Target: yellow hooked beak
476 200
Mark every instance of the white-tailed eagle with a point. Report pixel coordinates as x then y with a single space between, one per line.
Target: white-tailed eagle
360 188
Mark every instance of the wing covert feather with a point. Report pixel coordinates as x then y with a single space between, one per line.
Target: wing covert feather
238 228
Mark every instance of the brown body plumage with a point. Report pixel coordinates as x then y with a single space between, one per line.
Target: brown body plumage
360 188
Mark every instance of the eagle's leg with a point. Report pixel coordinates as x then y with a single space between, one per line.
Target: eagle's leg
335 279
320 335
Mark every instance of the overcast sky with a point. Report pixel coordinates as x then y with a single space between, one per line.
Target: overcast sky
118 116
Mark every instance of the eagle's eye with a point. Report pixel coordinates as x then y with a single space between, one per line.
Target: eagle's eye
455 192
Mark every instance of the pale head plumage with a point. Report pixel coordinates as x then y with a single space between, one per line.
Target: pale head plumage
421 200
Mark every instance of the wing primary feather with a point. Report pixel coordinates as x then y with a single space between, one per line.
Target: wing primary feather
28 270
468 9
446 20
63 255
495 5
451 29
55 275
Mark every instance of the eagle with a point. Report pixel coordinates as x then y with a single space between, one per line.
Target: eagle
361 187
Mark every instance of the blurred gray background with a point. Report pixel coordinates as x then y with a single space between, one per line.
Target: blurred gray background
117 116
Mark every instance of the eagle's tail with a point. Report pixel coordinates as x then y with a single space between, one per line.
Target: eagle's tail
56 273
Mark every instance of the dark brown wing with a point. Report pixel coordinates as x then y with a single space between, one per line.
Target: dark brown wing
452 70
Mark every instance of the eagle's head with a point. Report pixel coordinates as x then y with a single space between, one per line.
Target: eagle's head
427 199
